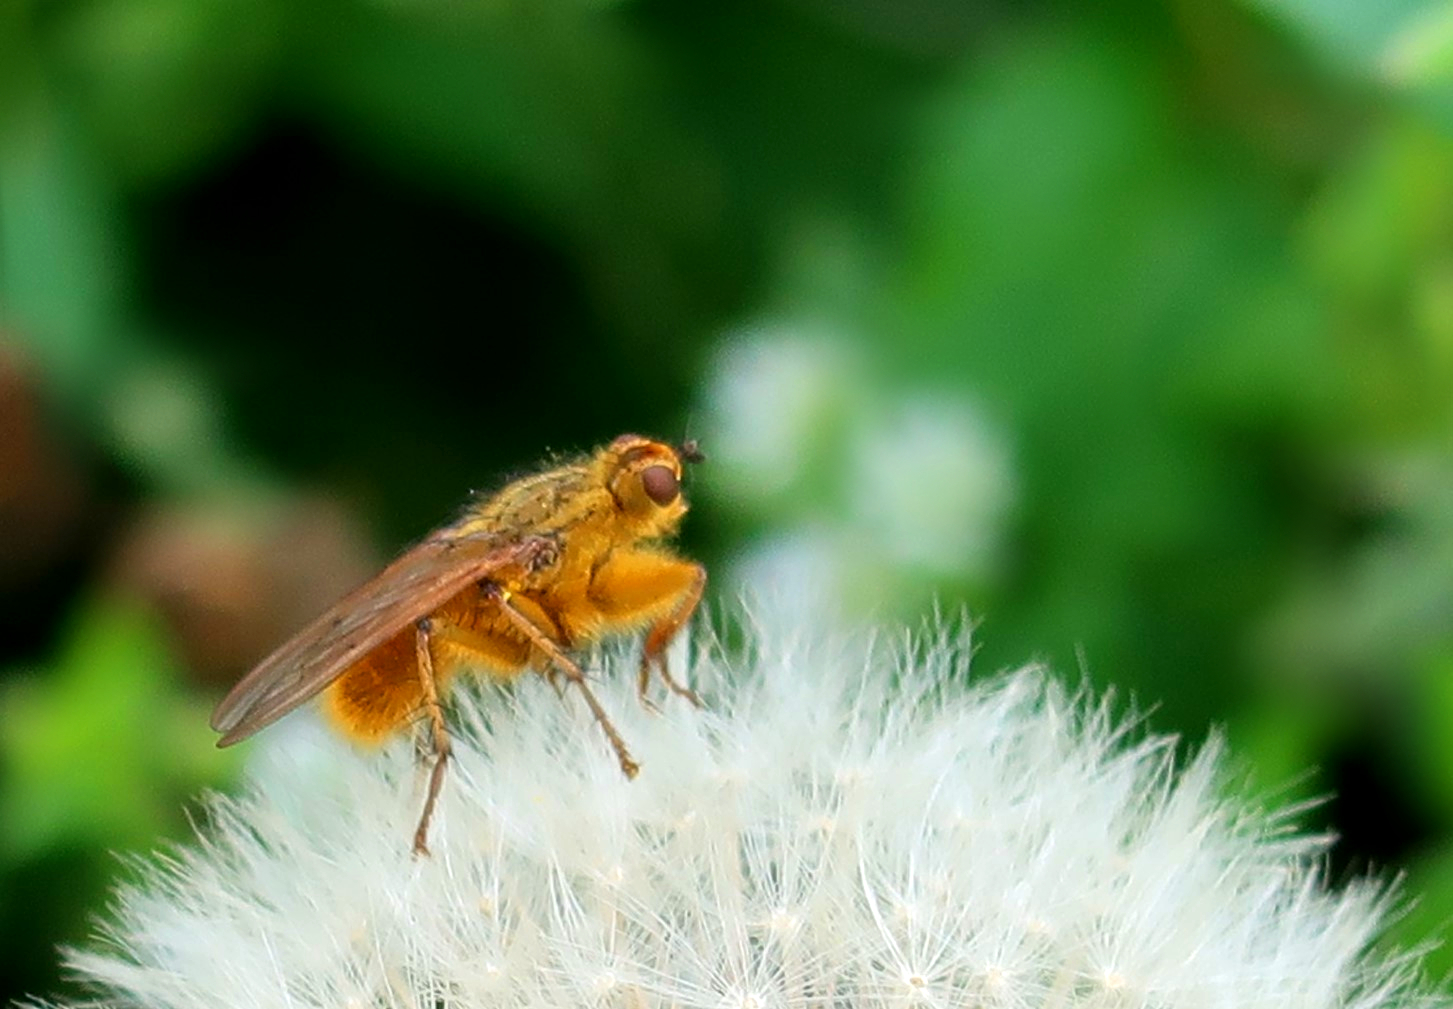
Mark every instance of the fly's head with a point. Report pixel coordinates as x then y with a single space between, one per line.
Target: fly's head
644 477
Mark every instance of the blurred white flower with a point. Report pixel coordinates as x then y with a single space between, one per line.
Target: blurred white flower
846 824
933 486
773 395
883 486
805 571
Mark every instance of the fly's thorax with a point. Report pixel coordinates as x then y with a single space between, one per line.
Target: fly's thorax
535 503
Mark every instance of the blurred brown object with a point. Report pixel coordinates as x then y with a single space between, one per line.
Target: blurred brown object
234 582
42 494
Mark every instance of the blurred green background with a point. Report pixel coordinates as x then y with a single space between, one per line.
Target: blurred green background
1129 325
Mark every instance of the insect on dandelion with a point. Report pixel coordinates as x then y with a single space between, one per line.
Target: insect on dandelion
551 561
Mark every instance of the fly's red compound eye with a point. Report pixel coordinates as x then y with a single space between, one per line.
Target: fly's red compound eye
660 484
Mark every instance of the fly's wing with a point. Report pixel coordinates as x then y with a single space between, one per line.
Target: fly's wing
412 587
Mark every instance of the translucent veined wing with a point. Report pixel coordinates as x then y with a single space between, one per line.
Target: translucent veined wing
413 586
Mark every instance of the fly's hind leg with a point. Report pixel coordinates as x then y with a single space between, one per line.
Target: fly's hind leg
566 667
440 733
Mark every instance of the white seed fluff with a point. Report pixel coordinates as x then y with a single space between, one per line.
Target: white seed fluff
846 824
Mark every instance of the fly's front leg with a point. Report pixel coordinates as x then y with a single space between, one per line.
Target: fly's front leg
640 586
664 631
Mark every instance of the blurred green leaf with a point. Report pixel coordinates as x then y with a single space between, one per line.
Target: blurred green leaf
165 84
1420 54
1354 33
100 748
64 279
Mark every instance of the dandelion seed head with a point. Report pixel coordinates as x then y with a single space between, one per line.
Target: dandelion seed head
847 823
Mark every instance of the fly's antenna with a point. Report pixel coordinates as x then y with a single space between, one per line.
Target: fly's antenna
690 449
